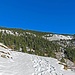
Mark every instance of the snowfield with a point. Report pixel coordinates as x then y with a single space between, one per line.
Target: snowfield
57 37
17 63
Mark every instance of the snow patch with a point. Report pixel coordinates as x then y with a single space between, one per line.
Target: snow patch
57 37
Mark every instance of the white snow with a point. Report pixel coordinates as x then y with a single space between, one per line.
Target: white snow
4 31
9 32
27 64
58 37
1 44
31 34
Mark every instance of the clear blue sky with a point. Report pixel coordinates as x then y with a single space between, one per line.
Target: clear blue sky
43 15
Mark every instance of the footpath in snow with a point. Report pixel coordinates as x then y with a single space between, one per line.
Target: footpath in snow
17 63
48 66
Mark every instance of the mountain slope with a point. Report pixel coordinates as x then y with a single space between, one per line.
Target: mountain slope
58 37
27 64
60 46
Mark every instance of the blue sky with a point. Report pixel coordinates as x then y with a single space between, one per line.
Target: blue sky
42 15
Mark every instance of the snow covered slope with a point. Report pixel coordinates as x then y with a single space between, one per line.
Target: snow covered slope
52 37
17 63
11 32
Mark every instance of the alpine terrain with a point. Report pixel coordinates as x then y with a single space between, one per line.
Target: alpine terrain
27 52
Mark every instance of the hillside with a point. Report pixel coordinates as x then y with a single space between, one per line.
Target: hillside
18 63
60 46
